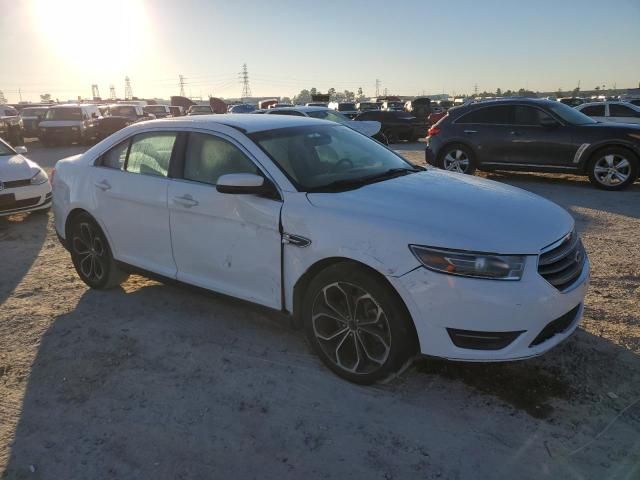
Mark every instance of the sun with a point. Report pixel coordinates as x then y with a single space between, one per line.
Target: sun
98 35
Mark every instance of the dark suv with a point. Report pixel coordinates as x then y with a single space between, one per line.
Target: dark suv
538 136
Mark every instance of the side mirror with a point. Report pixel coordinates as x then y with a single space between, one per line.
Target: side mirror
548 122
244 184
21 149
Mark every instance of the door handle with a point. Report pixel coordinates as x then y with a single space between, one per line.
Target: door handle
514 133
186 201
470 131
103 185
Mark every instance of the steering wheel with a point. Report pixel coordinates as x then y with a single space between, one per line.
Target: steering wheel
343 164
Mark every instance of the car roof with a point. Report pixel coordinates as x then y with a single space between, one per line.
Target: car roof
507 101
301 108
246 122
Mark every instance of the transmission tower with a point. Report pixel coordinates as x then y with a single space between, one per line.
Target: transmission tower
475 90
378 87
181 85
244 79
128 92
112 92
3 99
95 93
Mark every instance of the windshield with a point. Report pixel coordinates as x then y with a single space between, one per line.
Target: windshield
346 107
315 157
156 109
123 111
570 115
243 109
5 149
329 115
64 114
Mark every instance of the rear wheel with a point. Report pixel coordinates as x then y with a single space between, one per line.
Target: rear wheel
458 158
356 324
613 168
92 256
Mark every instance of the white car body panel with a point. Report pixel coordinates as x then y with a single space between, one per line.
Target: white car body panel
612 118
15 168
366 127
237 245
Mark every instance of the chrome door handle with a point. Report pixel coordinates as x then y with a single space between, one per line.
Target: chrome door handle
470 131
103 185
513 132
186 201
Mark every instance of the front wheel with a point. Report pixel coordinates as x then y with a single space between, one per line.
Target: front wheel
91 255
458 158
356 324
613 169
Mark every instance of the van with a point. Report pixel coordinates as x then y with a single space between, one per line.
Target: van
69 123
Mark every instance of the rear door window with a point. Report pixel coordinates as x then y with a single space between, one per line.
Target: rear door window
594 110
497 115
150 153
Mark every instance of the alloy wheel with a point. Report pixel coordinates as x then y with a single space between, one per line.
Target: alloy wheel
456 161
89 249
612 169
351 328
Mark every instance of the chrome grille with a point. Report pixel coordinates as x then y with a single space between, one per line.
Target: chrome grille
563 263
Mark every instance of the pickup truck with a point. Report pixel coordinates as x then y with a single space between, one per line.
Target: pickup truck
11 126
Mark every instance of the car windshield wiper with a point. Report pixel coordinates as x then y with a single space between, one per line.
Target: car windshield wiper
353 183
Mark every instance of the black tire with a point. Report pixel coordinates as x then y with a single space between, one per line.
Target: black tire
613 168
91 254
457 158
369 344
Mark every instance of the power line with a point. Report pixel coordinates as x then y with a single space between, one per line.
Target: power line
244 77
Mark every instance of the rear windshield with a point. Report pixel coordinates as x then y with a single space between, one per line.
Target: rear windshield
33 112
123 111
156 109
343 107
64 114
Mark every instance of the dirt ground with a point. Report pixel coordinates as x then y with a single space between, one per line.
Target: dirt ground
163 382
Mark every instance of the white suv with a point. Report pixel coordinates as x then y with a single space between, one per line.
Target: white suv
314 219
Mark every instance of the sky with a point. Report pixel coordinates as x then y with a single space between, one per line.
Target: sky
413 47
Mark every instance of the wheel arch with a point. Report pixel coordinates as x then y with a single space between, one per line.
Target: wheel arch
455 141
591 153
305 279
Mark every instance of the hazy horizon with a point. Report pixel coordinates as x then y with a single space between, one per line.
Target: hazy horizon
413 47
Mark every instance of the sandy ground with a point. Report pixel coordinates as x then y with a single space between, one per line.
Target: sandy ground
164 382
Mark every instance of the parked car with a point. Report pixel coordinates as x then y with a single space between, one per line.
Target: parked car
158 111
24 186
348 109
634 101
619 112
572 101
312 219
200 110
119 115
317 104
421 109
280 105
435 117
31 118
396 125
242 108
11 126
176 111
392 106
366 106
69 123
370 128
536 136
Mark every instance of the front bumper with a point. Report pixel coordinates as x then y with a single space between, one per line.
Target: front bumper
430 156
27 199
60 133
443 305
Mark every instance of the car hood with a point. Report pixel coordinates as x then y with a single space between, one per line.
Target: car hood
60 123
457 211
16 167
368 128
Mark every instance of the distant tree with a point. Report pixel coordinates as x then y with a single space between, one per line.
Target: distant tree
3 99
521 92
508 93
576 91
597 88
303 97
332 93
349 96
360 95
45 97
498 92
313 91
285 100
559 93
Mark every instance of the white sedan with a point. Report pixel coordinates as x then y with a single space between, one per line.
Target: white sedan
612 111
24 186
316 220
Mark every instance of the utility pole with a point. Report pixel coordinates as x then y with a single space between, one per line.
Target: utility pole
181 85
112 92
20 95
128 91
244 80
378 83
475 90
95 93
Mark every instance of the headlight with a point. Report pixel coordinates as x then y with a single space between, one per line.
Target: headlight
469 264
39 178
